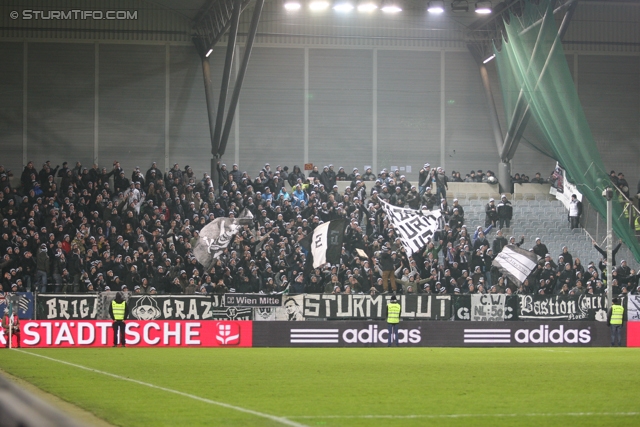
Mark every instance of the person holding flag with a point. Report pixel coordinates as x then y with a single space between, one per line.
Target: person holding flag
11 326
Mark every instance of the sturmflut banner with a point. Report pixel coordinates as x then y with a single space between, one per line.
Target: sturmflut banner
516 263
428 307
416 228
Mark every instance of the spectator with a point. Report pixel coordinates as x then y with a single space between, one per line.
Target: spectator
505 212
575 210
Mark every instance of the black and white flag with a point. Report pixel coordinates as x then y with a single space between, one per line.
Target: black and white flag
416 228
516 263
325 244
216 236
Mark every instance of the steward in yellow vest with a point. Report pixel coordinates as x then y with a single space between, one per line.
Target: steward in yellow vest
119 311
393 319
615 318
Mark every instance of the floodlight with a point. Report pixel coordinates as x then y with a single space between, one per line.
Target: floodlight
343 6
292 5
483 7
367 6
435 6
390 6
318 5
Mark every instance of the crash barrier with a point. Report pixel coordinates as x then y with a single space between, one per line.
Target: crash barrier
489 307
339 333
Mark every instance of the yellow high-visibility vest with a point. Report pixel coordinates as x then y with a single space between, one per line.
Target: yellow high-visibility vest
617 311
393 312
118 310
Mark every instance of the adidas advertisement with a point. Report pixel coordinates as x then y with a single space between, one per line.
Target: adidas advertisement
431 334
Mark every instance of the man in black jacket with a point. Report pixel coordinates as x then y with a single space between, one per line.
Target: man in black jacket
505 212
119 311
386 265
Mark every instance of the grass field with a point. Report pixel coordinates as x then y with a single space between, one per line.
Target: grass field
341 387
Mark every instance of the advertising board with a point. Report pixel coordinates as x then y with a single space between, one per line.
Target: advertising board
138 333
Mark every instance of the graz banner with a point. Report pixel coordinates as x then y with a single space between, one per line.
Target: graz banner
431 334
141 307
165 333
252 300
427 307
23 300
561 307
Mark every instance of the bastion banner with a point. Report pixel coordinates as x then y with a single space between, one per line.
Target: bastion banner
560 307
167 333
431 334
142 307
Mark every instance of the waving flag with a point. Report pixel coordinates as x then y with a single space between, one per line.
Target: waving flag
416 228
516 263
325 244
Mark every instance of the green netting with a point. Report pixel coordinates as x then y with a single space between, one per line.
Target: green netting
532 64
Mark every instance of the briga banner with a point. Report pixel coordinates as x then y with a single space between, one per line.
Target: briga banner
138 333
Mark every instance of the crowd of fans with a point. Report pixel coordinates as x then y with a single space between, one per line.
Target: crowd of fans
83 230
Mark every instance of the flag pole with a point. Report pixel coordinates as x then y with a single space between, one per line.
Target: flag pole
609 196
10 324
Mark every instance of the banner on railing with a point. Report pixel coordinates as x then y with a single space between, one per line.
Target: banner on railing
633 307
485 307
164 333
141 307
252 300
560 307
23 300
424 307
291 310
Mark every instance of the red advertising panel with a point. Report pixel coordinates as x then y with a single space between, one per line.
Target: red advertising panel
139 333
633 334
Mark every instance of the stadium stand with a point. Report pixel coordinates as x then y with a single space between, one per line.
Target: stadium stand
87 237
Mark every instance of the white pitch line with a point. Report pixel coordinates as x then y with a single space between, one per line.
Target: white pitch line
280 420
566 414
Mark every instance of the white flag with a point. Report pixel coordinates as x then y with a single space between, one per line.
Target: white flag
516 263
416 228
325 244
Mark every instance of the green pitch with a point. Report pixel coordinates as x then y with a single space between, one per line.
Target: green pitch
341 387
